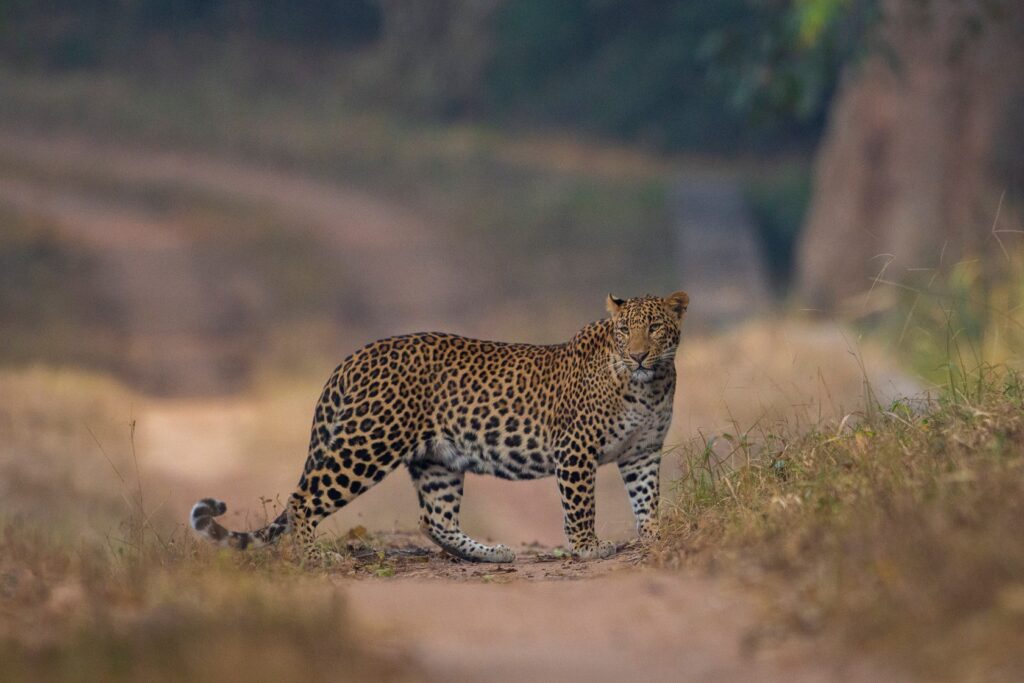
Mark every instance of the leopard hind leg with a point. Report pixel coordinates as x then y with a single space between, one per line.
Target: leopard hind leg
330 482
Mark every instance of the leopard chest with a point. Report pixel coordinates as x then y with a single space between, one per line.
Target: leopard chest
639 425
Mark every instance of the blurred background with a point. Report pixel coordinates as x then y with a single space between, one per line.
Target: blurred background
205 205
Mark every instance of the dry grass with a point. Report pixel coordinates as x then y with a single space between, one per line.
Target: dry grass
777 369
897 526
893 523
52 470
80 611
96 583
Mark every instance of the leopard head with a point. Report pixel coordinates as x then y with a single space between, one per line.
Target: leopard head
646 332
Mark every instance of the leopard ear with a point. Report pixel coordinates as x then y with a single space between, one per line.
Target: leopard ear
614 304
677 303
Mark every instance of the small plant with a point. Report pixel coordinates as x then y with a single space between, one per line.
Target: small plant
955 319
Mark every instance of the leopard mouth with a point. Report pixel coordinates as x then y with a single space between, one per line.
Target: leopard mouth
642 374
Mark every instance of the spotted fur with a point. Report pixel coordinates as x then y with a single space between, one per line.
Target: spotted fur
444 405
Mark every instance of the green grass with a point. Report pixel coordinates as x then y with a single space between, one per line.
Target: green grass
966 313
897 527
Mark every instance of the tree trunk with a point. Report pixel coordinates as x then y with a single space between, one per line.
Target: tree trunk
913 164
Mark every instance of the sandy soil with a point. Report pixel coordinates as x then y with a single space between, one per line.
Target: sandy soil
547 617
627 626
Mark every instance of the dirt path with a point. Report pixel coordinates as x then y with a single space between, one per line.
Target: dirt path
168 311
370 235
643 626
548 618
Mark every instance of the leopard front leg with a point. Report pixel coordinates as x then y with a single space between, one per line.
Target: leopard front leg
641 477
577 475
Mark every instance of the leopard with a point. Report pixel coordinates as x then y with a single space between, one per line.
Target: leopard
445 405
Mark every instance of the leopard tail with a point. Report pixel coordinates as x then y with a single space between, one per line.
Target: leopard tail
202 520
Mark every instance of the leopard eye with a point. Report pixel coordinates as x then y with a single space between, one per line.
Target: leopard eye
654 327
624 328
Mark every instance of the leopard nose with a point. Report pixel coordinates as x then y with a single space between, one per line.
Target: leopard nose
638 357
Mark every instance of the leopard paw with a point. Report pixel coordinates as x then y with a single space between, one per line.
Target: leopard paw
500 553
324 558
598 550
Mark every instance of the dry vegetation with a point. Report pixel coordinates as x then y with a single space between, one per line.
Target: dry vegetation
896 526
97 582
891 522
75 611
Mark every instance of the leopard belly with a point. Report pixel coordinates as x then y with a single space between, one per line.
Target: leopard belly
509 453
500 460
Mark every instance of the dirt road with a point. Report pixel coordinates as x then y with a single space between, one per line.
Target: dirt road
547 618
370 235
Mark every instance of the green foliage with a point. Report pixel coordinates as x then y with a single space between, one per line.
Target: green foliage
71 34
784 58
671 75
